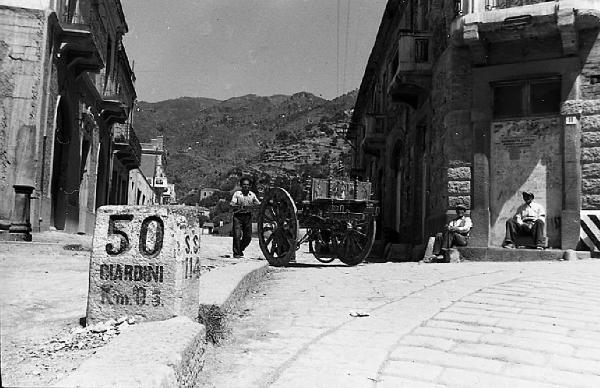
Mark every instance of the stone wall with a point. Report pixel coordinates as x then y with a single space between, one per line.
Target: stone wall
451 122
589 119
589 84
22 39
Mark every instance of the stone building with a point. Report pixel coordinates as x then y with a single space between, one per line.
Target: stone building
471 102
67 92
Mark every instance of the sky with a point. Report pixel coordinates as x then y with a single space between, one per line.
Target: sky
227 48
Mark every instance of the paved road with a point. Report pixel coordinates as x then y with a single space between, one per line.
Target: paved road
531 324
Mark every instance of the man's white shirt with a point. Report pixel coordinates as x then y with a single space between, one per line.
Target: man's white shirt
531 212
239 199
462 224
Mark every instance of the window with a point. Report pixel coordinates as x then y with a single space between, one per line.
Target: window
545 96
508 101
527 97
421 50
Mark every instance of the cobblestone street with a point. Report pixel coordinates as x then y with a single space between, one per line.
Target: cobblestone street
528 324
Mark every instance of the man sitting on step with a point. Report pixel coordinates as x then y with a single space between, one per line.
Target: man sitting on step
530 219
456 233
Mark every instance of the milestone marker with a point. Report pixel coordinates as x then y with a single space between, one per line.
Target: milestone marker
145 262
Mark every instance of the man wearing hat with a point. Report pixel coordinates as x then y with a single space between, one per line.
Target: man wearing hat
456 233
530 219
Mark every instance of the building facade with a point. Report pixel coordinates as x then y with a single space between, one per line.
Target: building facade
474 101
67 93
206 192
140 190
153 166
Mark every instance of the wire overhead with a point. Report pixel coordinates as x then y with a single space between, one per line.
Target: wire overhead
346 48
337 55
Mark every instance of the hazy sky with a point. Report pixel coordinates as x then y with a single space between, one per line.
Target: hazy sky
227 48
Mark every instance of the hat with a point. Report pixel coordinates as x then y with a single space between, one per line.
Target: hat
460 207
528 194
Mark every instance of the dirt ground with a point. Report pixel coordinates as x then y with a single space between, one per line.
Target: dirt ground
43 298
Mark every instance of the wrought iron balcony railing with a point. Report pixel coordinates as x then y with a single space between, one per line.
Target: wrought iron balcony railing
501 4
463 7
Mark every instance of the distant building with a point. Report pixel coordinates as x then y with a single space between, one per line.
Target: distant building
66 96
204 211
207 228
207 192
472 102
153 165
140 190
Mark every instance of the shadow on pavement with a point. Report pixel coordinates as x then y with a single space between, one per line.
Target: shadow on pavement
315 265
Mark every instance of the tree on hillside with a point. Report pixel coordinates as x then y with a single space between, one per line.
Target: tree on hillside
285 136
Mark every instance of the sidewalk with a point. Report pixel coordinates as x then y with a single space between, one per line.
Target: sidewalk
43 296
490 324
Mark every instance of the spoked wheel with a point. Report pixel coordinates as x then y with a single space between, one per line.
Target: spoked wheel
321 246
354 240
278 227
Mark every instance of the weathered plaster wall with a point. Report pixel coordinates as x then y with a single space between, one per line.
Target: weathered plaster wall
21 50
526 156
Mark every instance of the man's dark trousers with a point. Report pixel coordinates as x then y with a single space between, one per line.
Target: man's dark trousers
242 232
535 229
447 240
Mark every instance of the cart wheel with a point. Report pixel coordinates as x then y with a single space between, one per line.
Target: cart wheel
354 242
321 247
278 227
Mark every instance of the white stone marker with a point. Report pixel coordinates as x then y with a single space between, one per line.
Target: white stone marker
145 263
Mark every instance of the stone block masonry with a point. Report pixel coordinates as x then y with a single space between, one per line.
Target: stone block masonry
145 263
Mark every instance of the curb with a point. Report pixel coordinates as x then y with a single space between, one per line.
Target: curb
151 354
503 254
222 290
170 353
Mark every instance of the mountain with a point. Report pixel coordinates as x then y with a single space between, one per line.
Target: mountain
210 143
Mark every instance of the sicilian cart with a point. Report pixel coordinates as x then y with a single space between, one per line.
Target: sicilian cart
336 218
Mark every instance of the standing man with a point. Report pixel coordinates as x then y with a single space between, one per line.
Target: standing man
241 202
530 219
456 233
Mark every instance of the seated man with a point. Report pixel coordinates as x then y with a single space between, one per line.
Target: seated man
530 219
456 233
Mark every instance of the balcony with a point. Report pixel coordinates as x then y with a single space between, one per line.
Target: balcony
411 80
127 146
114 106
481 23
374 142
78 46
113 110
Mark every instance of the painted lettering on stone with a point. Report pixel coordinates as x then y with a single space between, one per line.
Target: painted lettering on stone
139 296
136 273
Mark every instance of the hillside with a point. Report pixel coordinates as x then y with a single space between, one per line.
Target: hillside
211 142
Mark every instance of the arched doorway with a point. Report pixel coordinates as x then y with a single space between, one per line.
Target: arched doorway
60 163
